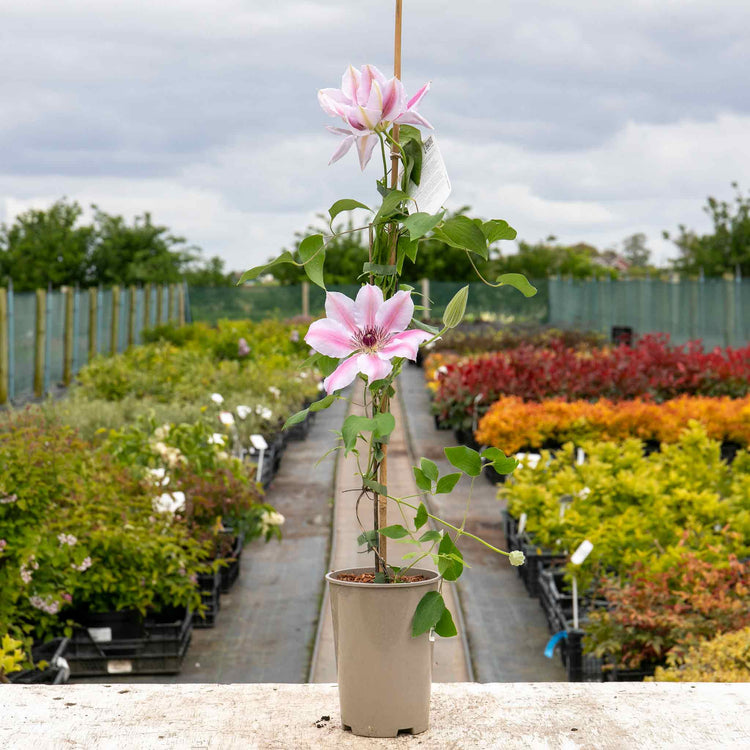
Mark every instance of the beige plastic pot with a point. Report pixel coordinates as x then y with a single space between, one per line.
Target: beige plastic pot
384 675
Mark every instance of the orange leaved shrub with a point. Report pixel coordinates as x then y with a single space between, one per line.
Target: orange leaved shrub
512 424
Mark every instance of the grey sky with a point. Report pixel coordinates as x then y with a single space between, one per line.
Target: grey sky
586 120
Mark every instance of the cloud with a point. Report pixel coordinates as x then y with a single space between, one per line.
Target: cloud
586 120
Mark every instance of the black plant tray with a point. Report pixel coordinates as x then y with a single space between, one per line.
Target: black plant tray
557 601
57 670
300 430
159 649
209 585
231 572
536 559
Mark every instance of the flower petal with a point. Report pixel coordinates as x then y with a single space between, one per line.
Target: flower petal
418 96
330 338
343 147
394 99
365 85
365 145
342 309
332 101
342 375
369 299
350 83
395 313
404 344
410 117
373 366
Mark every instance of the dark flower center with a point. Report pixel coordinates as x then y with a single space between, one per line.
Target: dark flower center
369 339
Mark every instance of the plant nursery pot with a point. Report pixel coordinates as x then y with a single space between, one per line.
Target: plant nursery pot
384 674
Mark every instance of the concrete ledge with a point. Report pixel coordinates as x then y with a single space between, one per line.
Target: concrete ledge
464 715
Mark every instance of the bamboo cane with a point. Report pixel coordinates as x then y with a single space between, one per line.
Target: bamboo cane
383 501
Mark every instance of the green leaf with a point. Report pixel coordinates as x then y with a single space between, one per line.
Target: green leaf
295 419
455 309
447 483
420 223
381 489
428 613
324 402
408 133
406 248
450 562
500 462
421 518
517 281
445 627
462 232
368 537
313 256
377 269
353 425
253 273
390 204
385 423
421 479
394 532
380 577
431 536
497 229
429 468
424 327
345 204
413 167
465 459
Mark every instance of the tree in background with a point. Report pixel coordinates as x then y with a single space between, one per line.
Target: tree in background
543 259
46 247
52 246
345 254
727 248
635 252
137 254
204 273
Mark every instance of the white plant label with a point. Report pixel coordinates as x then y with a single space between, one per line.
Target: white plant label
100 635
119 666
583 551
259 442
580 456
434 186
522 523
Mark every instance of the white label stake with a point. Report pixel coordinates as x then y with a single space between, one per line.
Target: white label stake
583 551
521 524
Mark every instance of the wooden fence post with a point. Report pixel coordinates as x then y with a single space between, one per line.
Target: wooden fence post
115 330
426 299
4 360
159 304
181 305
40 338
170 303
93 321
68 334
147 306
131 315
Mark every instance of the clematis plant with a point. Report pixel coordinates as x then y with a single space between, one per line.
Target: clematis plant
367 339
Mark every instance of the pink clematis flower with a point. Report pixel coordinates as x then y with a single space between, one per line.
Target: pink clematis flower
369 103
368 331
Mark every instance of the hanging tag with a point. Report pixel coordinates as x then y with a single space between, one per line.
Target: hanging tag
259 442
549 650
584 548
521 524
434 186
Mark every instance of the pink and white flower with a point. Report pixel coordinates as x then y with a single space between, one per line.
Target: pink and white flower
368 331
369 104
